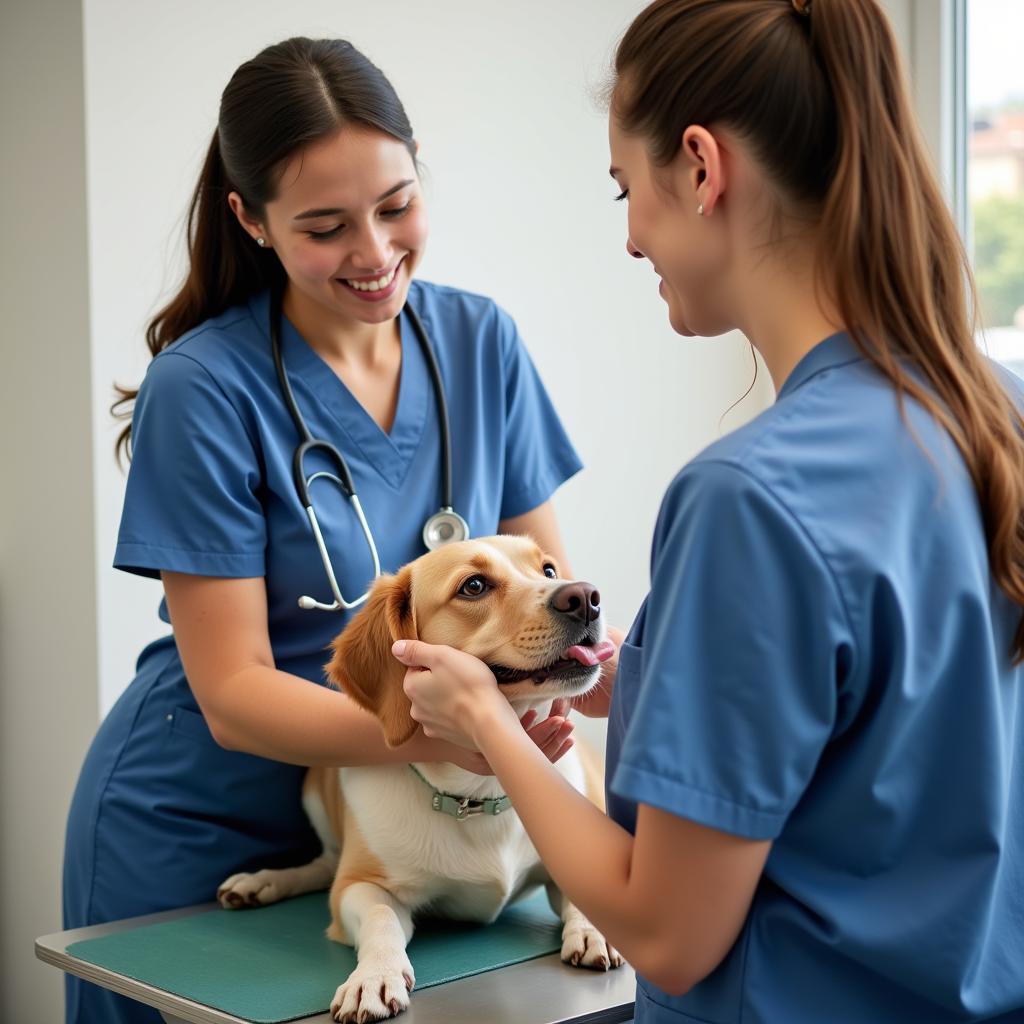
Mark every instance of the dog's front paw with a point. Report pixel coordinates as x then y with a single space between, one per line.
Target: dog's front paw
584 946
245 890
378 988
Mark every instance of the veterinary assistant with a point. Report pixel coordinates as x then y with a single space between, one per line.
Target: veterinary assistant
195 773
816 736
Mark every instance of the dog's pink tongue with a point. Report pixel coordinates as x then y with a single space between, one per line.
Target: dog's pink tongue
591 655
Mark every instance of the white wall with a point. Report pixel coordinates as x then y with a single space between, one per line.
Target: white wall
48 636
501 98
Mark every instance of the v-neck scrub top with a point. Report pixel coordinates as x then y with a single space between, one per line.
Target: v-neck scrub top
162 814
823 660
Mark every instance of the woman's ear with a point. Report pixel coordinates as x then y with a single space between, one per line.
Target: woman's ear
700 164
363 667
253 228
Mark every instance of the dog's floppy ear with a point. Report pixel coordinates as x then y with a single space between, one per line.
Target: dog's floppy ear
363 666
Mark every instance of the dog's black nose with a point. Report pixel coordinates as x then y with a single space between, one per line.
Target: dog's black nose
577 600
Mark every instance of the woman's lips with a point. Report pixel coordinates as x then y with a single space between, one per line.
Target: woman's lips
364 287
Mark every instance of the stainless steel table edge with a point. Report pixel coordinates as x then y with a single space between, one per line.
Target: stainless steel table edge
539 991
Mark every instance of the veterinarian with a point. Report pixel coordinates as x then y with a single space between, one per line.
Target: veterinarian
816 737
309 193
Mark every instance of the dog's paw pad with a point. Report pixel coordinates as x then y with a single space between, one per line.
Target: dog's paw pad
374 991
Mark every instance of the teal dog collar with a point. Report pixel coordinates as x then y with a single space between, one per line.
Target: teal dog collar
463 807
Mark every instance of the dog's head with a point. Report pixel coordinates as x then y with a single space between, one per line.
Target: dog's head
499 599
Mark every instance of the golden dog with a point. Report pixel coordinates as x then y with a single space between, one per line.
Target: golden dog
401 840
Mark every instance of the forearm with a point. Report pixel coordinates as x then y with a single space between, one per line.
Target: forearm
597 880
262 711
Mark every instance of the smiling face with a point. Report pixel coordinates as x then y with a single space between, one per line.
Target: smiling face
348 223
499 599
665 228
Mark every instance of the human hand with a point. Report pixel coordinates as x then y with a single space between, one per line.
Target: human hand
454 696
552 734
596 703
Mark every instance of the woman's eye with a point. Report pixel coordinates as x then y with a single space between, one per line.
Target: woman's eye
624 194
397 212
319 236
475 586
550 571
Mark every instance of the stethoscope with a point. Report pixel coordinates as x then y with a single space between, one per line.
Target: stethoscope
444 527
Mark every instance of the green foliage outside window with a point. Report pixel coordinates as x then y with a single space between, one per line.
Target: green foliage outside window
999 258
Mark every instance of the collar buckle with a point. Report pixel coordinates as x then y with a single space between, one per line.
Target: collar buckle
462 808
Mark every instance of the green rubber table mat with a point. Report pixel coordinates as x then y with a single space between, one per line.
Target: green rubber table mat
275 963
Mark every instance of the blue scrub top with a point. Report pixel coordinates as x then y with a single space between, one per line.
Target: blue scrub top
210 492
823 661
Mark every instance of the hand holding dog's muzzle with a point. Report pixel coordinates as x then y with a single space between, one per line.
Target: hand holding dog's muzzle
454 697
451 692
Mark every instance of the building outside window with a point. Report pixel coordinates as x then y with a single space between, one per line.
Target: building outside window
995 172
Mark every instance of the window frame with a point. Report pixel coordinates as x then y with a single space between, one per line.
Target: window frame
937 52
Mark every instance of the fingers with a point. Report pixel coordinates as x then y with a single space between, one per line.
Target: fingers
559 708
416 653
563 749
551 735
558 738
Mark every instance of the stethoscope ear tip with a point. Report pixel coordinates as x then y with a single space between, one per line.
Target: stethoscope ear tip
307 603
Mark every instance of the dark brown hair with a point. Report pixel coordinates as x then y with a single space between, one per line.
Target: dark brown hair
817 90
288 96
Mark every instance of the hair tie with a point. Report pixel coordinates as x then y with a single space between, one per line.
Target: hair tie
802 7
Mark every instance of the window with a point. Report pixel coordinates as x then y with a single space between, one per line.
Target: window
995 172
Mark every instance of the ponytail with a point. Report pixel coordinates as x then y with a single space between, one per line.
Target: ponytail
817 88
225 268
902 278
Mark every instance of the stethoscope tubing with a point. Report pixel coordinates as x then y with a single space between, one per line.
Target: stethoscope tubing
309 443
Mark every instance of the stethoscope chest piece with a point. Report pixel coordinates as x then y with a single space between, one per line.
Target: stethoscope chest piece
444 527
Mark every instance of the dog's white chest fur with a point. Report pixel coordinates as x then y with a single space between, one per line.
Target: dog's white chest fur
468 870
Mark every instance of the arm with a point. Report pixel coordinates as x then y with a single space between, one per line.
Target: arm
220 626
672 899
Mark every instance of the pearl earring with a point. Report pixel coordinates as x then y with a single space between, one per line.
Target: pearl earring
700 209
261 241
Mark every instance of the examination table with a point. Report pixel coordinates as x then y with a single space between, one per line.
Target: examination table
186 965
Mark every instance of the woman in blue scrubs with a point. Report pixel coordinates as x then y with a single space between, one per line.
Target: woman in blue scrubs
310 185
816 737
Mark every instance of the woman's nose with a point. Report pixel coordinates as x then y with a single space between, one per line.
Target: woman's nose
633 250
373 250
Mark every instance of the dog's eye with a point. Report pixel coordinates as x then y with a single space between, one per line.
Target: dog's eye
475 586
550 571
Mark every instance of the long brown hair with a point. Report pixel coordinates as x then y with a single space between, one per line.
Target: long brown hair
289 95
817 89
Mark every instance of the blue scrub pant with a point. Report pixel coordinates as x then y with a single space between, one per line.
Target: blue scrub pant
162 815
